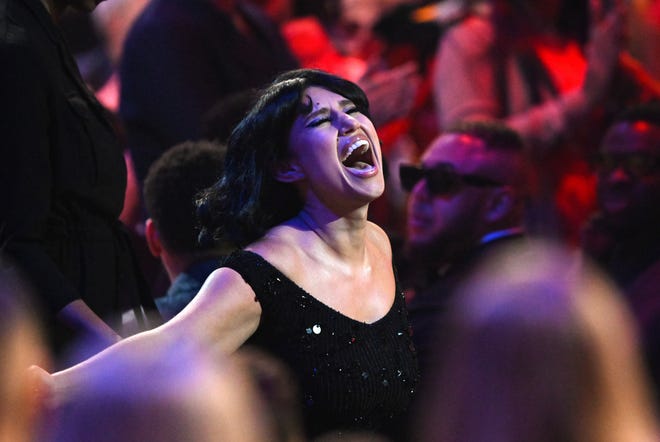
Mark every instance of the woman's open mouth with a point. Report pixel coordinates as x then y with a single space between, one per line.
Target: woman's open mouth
358 157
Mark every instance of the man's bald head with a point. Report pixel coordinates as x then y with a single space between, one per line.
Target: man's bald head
486 162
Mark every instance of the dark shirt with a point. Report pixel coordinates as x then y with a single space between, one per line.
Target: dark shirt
429 305
629 258
181 57
185 287
633 262
352 375
62 175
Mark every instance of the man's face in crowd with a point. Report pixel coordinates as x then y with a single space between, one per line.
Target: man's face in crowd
440 222
629 174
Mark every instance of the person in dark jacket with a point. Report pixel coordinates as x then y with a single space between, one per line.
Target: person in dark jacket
623 235
62 181
181 58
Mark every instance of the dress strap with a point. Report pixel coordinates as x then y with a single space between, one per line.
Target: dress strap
255 271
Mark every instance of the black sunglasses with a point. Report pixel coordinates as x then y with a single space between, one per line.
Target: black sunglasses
441 179
635 164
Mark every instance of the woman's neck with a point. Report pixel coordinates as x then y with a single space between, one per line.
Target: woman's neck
343 236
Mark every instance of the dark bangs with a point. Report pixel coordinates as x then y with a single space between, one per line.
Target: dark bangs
306 78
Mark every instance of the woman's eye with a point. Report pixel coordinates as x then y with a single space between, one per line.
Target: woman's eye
352 110
318 121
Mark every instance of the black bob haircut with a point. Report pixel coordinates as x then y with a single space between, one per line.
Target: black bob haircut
248 201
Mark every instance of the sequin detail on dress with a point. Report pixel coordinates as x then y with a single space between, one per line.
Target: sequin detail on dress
352 375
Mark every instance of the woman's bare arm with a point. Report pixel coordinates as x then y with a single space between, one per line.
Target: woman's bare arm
222 316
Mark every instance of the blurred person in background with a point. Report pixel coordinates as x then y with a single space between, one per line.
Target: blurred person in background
623 235
278 389
63 181
173 393
183 56
97 42
556 72
467 199
112 22
22 402
540 347
644 34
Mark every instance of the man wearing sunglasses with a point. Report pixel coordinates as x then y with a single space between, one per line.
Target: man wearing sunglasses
624 236
467 196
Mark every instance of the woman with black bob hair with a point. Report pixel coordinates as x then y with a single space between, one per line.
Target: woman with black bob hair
314 284
248 200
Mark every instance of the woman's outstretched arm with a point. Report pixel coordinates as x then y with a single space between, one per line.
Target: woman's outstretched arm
222 316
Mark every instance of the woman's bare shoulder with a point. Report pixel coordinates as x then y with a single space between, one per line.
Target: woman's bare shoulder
225 310
225 284
223 277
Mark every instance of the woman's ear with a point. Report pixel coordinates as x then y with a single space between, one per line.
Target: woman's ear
288 171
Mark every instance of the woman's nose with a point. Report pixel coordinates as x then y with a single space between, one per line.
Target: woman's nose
348 124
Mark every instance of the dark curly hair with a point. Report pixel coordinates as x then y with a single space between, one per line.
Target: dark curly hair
170 190
247 200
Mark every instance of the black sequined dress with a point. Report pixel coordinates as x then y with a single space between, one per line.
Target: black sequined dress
351 375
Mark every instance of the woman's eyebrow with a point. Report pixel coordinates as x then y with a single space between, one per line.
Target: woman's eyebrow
317 112
325 110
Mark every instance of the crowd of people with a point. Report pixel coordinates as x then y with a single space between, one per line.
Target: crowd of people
384 220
